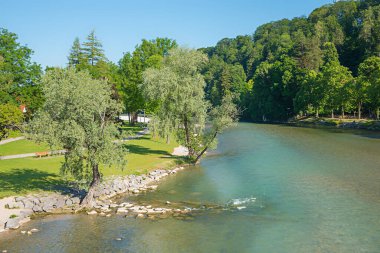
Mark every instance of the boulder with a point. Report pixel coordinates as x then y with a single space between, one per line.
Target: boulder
26 213
122 210
69 202
75 200
12 223
92 212
27 204
47 207
60 203
37 209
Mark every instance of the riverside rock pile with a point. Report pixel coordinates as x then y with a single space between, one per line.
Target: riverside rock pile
25 206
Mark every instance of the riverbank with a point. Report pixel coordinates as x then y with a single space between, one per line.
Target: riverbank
16 211
362 124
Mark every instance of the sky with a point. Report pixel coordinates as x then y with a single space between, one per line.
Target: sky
49 27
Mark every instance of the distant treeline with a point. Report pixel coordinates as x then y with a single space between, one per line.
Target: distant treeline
324 64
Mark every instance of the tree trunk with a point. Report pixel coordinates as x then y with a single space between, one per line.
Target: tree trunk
332 114
342 112
187 133
205 149
377 113
89 200
167 139
359 110
317 113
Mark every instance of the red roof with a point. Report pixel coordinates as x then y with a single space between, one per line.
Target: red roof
23 108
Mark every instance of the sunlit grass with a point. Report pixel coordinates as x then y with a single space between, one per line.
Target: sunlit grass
25 175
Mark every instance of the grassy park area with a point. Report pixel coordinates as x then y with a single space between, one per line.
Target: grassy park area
25 175
22 147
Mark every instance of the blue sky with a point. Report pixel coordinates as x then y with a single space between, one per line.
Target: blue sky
50 26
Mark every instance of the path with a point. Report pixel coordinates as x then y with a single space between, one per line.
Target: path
11 140
7 157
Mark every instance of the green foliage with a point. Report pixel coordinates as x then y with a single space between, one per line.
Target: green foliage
76 54
11 117
93 49
369 82
78 115
19 77
131 67
300 66
178 86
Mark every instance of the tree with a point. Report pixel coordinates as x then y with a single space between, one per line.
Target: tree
131 67
19 76
333 79
76 55
78 115
11 117
93 49
179 88
369 81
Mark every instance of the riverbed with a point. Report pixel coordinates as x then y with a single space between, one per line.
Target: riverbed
294 189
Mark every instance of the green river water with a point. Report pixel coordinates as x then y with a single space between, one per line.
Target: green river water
304 190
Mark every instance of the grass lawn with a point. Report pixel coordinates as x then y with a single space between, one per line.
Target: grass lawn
25 175
131 130
22 147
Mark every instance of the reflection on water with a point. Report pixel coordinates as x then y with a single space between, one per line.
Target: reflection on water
300 190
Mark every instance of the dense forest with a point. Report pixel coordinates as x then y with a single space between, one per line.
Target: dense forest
322 64
326 64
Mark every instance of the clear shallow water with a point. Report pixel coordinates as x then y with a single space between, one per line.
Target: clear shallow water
315 190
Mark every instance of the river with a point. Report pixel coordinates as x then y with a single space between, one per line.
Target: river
299 189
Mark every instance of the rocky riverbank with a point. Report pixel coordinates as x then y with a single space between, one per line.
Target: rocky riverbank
372 125
15 211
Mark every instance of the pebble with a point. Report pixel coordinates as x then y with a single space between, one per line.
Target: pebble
23 232
92 212
34 230
140 215
118 239
108 215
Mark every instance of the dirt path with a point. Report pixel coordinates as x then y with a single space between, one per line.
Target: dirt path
11 140
7 157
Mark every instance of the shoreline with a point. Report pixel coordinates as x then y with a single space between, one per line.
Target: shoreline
18 210
327 123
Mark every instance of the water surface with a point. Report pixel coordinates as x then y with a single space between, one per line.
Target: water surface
316 191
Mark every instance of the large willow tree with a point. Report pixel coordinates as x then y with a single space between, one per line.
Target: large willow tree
178 88
78 115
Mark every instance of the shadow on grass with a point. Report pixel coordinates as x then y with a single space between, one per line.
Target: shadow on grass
23 180
140 150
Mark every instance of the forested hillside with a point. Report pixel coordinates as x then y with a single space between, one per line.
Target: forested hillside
324 64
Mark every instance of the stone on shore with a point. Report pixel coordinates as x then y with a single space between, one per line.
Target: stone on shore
55 202
92 212
12 223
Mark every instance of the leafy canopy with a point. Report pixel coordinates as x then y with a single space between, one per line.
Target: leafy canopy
78 115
